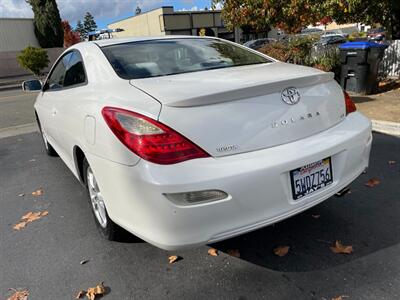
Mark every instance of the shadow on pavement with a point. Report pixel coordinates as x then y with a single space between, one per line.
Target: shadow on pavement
367 218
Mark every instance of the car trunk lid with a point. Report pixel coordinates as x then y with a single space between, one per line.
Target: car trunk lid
240 109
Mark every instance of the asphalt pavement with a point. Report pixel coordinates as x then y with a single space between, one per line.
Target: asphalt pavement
45 256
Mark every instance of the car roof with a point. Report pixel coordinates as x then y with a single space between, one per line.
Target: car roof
116 41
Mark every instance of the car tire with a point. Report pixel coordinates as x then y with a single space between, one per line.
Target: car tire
48 148
107 228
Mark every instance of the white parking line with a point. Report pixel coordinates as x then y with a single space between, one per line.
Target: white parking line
18 130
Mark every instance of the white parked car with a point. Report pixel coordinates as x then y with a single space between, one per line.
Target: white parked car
184 141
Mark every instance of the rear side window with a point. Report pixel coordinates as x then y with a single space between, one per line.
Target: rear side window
56 79
175 56
75 73
68 72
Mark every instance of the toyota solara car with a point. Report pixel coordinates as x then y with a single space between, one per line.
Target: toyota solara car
184 141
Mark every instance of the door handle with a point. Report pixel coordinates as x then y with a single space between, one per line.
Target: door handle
53 112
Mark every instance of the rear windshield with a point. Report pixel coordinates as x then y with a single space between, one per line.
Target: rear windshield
175 56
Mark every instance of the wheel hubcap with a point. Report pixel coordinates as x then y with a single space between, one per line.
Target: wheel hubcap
96 199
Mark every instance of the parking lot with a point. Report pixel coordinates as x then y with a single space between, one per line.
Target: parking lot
45 257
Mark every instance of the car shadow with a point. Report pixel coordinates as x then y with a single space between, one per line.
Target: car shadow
366 218
361 99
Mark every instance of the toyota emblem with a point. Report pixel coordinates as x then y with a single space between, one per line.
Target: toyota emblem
290 95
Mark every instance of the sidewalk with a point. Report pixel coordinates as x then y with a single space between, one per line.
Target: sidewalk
383 109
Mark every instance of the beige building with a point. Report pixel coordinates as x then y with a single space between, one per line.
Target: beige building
166 21
16 34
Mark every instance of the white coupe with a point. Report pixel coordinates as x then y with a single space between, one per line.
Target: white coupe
184 141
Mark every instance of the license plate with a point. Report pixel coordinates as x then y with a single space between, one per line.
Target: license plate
311 177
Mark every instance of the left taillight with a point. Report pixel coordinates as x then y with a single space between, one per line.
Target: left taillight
350 106
150 139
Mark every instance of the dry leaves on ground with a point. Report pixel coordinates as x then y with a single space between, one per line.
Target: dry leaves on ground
29 218
91 293
234 252
19 295
281 251
38 192
173 258
213 252
341 249
340 297
372 182
391 162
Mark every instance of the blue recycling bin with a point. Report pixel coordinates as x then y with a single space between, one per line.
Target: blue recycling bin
359 66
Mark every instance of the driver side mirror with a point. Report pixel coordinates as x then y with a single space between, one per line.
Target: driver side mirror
32 85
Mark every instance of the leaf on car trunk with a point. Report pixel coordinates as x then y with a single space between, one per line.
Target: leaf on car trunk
281 251
234 252
38 192
19 295
212 252
29 218
339 248
372 182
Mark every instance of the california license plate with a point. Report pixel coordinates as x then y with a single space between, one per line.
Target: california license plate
311 177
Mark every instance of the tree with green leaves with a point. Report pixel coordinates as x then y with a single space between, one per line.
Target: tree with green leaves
33 59
89 23
47 22
291 16
288 15
80 29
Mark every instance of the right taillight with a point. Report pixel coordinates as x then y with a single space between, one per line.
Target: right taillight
350 106
150 139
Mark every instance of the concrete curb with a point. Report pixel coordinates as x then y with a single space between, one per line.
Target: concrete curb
18 130
386 127
10 87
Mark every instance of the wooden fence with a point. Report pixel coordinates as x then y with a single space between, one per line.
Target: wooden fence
390 65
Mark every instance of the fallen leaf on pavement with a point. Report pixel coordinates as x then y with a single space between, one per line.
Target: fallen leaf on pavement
316 216
21 195
20 225
341 249
234 253
213 252
93 292
172 259
38 192
340 297
85 261
19 295
281 251
391 162
80 294
372 182
29 218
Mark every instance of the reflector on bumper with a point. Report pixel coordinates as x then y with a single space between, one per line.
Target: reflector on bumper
189 198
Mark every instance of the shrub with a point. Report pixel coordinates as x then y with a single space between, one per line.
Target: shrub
278 50
33 59
297 50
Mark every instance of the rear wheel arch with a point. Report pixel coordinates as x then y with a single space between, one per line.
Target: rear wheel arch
79 157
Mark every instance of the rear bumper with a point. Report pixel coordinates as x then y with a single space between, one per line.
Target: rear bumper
258 184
